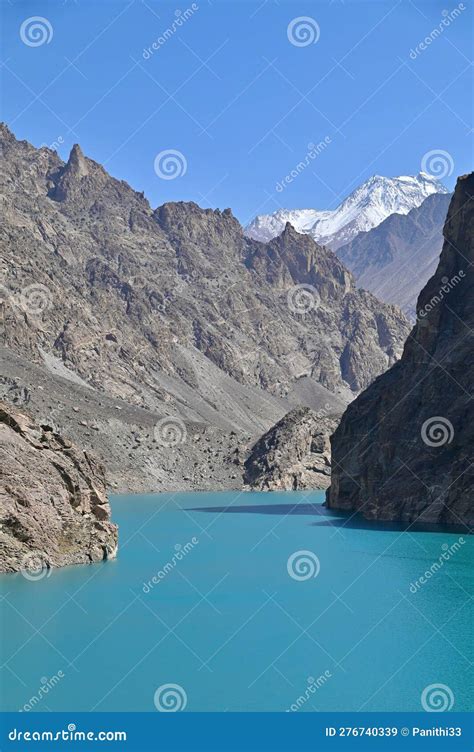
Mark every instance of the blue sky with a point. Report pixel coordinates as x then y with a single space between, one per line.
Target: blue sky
241 102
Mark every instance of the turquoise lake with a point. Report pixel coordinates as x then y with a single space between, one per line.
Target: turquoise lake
254 597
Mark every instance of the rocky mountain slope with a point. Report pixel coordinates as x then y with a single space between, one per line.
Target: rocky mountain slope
293 454
396 259
173 311
53 504
366 207
404 449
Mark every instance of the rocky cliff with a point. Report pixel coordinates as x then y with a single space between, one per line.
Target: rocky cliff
404 448
293 454
53 504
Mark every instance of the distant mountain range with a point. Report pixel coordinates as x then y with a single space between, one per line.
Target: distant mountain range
365 208
396 259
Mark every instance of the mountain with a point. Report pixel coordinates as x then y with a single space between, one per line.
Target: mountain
404 448
396 259
365 208
54 508
149 329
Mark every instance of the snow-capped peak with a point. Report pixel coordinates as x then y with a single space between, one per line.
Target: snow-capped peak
366 207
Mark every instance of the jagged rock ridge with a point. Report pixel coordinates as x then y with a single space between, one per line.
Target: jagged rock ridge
404 448
175 310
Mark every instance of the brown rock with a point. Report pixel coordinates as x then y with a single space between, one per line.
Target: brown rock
53 504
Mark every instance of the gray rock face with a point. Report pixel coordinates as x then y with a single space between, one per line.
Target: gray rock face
134 291
170 313
293 454
404 448
53 504
397 258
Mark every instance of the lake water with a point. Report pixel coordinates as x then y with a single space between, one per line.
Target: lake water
239 619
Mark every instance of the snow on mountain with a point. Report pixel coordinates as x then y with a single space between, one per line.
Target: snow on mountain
365 208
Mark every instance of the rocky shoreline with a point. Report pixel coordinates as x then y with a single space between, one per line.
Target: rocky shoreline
53 499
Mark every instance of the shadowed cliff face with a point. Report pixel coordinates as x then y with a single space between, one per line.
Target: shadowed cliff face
53 504
404 449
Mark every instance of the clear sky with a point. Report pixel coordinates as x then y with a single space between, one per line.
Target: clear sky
230 90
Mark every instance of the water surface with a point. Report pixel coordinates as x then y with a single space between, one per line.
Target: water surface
210 593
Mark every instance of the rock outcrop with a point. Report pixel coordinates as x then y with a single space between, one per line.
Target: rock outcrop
293 454
53 504
404 449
